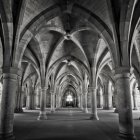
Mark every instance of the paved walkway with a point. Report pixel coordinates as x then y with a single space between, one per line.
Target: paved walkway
70 125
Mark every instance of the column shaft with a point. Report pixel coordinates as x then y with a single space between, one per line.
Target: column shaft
30 103
135 102
107 96
42 114
52 102
116 100
86 109
94 115
100 100
79 104
18 106
81 101
126 129
7 106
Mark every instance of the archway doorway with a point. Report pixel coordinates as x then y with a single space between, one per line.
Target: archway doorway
69 99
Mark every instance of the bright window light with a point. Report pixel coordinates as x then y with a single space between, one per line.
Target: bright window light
69 98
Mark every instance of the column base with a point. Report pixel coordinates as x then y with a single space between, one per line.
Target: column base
52 110
7 136
42 116
30 108
99 106
116 110
135 108
86 110
127 136
18 110
82 108
94 117
107 108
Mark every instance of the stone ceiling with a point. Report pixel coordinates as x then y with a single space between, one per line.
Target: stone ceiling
66 43
61 41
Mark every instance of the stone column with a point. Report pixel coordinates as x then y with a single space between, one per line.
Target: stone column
122 83
8 104
22 97
48 99
57 101
28 98
33 98
18 105
135 101
52 101
89 98
75 102
42 114
38 99
62 102
30 103
100 99
81 101
110 105
86 109
116 100
107 97
79 104
94 115
0 94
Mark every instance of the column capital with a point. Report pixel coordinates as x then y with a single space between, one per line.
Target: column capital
43 88
12 70
92 88
51 91
85 91
10 76
19 77
122 72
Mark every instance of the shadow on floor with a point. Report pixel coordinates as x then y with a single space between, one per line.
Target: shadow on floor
70 126
59 138
69 119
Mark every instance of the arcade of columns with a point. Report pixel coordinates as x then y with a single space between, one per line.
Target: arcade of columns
50 47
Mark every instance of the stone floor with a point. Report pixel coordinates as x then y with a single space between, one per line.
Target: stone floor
69 124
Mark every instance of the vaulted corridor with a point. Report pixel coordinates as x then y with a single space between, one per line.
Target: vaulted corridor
69 69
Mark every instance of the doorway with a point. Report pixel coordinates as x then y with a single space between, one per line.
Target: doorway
69 99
